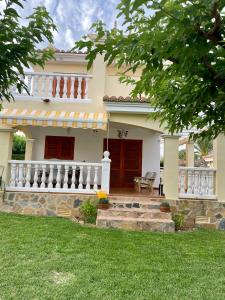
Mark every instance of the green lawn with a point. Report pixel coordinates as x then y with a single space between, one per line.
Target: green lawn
52 258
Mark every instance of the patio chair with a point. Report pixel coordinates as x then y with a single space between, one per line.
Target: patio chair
145 182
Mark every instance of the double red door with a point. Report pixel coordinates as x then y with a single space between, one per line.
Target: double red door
126 156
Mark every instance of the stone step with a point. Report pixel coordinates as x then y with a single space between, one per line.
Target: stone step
135 213
140 224
133 204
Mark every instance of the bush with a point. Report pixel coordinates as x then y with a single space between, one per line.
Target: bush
19 145
178 219
88 211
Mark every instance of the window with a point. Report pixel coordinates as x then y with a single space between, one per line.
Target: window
59 147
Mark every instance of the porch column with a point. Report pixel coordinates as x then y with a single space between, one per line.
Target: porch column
29 149
219 164
6 140
190 155
171 166
106 161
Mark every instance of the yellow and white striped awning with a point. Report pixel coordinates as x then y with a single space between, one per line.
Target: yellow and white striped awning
25 117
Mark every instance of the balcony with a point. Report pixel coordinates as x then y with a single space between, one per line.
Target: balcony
55 87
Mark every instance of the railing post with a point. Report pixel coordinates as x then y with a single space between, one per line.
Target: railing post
106 161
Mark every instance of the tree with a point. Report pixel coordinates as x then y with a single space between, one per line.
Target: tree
203 147
18 44
180 47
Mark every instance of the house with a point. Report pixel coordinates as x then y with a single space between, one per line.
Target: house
84 133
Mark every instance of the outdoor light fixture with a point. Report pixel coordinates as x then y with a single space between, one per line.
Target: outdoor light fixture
122 133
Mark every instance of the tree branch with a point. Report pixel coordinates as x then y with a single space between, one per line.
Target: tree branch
213 34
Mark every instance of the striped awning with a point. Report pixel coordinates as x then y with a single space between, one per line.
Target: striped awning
25 117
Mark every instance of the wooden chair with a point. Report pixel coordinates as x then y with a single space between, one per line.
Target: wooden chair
145 182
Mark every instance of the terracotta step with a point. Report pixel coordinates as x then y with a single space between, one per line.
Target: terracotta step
141 224
135 213
134 199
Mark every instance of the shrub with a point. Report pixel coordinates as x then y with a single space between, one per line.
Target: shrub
88 211
178 219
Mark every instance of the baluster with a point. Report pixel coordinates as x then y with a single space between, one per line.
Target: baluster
50 87
12 181
64 89
36 171
79 88
58 177
65 185
36 81
182 181
203 183
22 78
96 179
29 78
81 178
43 86
28 175
88 186
20 177
43 177
51 176
72 88
190 182
196 182
73 180
57 86
86 88
210 182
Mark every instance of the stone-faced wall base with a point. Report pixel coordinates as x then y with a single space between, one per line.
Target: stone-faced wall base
45 204
214 210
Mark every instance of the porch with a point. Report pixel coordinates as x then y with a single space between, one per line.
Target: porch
74 160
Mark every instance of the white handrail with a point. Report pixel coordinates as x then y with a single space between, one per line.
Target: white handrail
54 162
59 176
197 182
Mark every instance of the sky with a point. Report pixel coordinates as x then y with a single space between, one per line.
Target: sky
73 18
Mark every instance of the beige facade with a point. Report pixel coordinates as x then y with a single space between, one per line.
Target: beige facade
50 93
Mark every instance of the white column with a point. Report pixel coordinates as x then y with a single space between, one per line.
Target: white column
190 156
6 139
171 166
219 164
106 161
29 149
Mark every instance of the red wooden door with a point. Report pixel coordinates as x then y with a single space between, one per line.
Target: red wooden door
126 156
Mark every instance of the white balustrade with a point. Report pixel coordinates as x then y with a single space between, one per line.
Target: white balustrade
54 86
197 183
50 176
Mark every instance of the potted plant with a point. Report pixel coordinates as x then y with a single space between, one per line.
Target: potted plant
164 207
103 201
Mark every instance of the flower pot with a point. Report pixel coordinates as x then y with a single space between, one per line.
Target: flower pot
103 206
164 209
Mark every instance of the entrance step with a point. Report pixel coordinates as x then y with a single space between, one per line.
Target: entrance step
135 213
142 224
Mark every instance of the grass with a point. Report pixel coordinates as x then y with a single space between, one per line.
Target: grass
52 258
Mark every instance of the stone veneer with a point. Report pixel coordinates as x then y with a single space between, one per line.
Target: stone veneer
49 204
45 204
213 210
